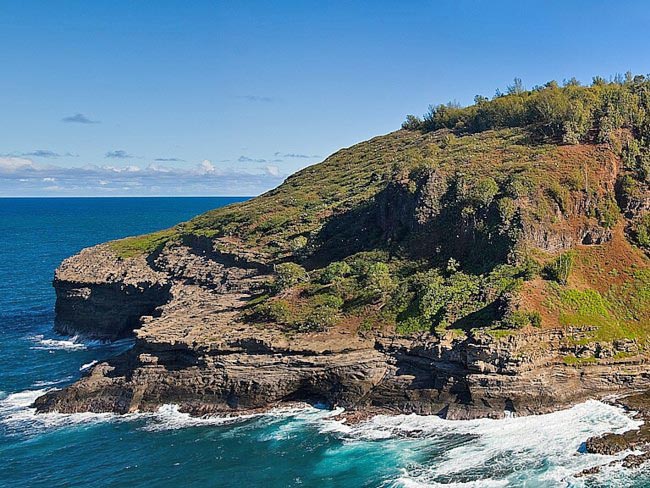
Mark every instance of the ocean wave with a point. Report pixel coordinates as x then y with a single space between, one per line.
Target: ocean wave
541 450
77 343
169 417
43 383
19 417
43 344
89 365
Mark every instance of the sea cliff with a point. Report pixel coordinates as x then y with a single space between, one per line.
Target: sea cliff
480 262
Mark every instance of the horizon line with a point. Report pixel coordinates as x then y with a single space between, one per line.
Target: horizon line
126 196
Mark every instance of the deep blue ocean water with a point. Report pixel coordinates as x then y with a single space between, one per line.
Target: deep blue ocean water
302 447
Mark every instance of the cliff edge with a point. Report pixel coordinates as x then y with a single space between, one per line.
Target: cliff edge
445 269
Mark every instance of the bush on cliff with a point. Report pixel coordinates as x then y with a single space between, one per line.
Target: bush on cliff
568 114
642 231
288 275
559 269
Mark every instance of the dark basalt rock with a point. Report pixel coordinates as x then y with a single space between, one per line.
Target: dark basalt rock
196 353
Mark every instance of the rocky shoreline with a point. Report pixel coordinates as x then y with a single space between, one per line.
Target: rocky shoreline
636 441
193 350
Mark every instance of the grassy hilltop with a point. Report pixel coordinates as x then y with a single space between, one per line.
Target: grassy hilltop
527 210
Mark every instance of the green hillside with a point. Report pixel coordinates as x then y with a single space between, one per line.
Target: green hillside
526 210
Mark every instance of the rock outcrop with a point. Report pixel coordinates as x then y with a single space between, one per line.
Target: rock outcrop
439 305
100 297
192 349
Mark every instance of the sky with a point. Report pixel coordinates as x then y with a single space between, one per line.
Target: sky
130 98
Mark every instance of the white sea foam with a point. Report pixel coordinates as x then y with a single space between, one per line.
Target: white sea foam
540 450
43 344
169 417
17 415
43 383
89 365
77 343
532 451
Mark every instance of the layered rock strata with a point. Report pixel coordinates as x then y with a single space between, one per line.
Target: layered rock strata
183 305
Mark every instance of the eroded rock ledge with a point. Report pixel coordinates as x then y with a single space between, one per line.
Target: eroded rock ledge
192 350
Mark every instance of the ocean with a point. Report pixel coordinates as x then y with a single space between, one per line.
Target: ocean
287 447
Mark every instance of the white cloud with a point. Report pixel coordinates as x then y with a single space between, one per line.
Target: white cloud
12 164
206 167
204 178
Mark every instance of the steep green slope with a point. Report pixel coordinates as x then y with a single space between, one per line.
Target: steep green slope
529 210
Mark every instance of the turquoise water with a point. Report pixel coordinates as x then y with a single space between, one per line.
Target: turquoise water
302 447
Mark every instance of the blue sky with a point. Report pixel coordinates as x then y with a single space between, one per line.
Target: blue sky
229 97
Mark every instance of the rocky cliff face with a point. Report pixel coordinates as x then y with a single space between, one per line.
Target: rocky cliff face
192 349
100 297
413 282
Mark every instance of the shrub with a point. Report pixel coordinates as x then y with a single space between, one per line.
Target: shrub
535 318
378 281
298 245
319 319
560 268
530 268
608 213
483 192
445 300
642 231
335 270
274 311
328 300
412 123
288 275
518 319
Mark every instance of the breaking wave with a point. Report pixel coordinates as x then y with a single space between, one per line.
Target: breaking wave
544 450
77 343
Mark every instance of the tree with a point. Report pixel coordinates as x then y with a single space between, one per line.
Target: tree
517 87
412 123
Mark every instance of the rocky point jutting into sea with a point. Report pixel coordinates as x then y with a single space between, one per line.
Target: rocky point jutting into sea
464 273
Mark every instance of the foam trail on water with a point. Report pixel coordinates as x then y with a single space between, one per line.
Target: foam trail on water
17 415
41 384
43 344
88 365
169 417
539 450
77 343
535 451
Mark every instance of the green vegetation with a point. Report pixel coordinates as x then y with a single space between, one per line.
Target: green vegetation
570 114
559 269
642 231
571 360
448 224
145 244
518 319
288 275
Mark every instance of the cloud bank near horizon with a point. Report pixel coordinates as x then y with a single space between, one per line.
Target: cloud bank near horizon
20 176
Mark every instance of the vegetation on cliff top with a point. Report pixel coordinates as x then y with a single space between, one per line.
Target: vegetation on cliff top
479 217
